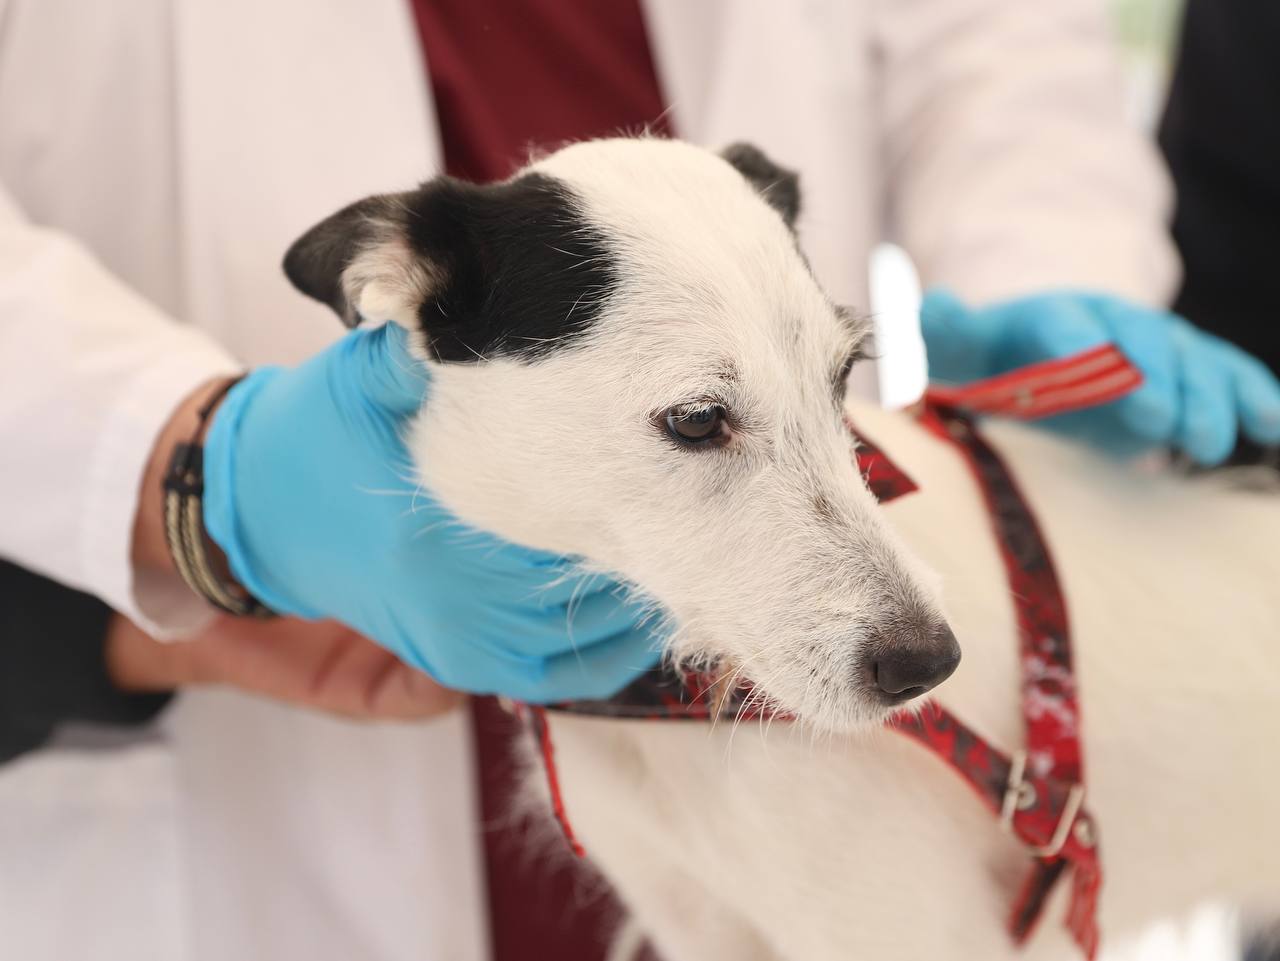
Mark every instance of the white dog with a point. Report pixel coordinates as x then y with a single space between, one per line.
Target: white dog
632 362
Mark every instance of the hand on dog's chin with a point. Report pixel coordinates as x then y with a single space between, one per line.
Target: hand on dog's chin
319 665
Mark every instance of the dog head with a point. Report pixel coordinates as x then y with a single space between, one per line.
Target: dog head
632 362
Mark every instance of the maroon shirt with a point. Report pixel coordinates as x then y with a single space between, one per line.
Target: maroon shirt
507 77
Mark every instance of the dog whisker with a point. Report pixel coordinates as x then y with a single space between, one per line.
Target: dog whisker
387 492
752 698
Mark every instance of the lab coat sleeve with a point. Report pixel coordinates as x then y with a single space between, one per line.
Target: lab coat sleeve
89 373
1010 166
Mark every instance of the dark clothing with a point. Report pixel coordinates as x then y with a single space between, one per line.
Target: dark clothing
506 77
51 663
1221 137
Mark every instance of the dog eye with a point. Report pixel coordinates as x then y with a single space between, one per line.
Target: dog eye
696 425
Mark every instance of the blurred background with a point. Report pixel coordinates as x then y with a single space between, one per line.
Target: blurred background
1147 31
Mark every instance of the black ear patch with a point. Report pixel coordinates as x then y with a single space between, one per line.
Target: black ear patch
510 269
779 186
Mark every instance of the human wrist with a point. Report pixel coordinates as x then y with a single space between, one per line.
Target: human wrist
150 550
196 556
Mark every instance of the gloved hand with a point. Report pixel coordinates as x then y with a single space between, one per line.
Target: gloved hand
311 493
1198 393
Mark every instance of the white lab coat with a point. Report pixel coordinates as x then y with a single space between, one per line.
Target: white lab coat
159 156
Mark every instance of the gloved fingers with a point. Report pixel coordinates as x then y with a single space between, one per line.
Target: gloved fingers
502 660
941 306
386 373
486 553
1049 327
496 642
957 352
1207 422
479 664
525 579
513 568
486 666
1257 394
1147 339
579 621
593 672
550 581
965 344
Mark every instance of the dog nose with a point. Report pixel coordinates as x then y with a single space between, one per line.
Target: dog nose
904 672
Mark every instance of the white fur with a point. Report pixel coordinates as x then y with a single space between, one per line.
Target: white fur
565 454
384 279
834 839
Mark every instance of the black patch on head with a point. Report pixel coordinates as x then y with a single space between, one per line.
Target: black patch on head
516 269
779 186
524 271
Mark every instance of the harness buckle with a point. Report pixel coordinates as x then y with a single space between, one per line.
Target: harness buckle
1020 795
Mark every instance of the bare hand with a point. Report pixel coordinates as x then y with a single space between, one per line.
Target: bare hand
321 665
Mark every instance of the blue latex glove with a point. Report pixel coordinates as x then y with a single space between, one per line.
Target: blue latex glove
1198 393
309 492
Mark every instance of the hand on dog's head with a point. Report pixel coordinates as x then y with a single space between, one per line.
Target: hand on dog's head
632 362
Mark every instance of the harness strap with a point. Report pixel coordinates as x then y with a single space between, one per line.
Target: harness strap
1038 792
1043 795
536 716
1095 376
884 478
1046 814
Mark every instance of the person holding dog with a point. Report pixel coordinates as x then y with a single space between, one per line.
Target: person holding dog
982 134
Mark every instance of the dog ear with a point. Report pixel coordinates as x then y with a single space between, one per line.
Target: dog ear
779 186
479 271
359 262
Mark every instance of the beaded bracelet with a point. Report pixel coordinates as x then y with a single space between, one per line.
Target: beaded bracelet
184 523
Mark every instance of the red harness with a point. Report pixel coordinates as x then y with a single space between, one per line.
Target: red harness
1037 792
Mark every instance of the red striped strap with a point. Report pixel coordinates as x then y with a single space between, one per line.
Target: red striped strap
1050 708
1096 376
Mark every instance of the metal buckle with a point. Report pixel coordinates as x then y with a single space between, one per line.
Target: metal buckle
1020 795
